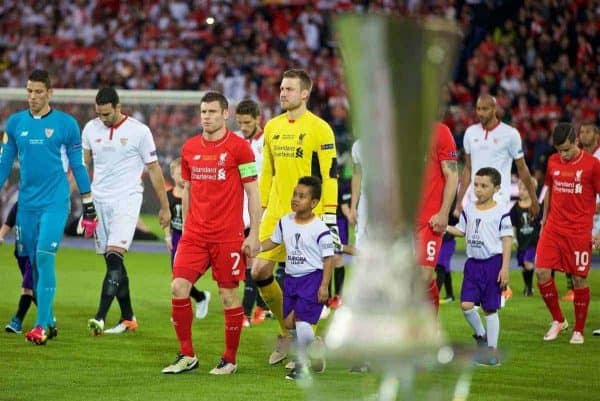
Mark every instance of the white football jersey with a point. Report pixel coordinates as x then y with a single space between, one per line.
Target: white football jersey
257 143
484 229
496 148
120 154
306 244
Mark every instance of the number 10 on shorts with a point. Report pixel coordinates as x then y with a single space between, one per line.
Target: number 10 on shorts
582 259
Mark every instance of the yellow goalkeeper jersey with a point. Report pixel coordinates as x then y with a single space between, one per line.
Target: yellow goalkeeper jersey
294 149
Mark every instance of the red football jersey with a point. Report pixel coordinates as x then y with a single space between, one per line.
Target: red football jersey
216 186
573 185
442 148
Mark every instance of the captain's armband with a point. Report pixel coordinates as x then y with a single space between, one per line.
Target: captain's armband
248 169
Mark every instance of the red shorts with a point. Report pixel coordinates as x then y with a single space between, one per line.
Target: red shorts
195 256
566 254
428 243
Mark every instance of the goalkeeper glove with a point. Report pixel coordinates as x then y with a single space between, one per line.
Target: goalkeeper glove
330 220
89 220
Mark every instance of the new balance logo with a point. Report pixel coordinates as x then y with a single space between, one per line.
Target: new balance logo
24 133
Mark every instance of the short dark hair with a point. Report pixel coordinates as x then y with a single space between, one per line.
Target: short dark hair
248 107
302 75
492 173
562 132
107 95
314 183
41 76
215 97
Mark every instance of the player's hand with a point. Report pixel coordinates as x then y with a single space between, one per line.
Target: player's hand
534 210
164 217
168 239
331 221
251 245
353 217
89 220
438 222
596 242
323 295
457 211
503 277
1 240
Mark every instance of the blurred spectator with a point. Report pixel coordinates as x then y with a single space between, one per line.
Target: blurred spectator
540 59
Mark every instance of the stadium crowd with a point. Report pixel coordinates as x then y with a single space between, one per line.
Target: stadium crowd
538 58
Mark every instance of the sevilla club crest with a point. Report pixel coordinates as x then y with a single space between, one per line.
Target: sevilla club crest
48 132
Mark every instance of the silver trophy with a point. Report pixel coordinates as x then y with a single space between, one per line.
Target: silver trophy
395 69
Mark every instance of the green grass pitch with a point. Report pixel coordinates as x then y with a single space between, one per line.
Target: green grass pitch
76 366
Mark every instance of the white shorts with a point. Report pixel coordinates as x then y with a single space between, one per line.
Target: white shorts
117 221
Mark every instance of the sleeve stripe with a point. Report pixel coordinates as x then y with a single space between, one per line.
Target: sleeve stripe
324 233
505 215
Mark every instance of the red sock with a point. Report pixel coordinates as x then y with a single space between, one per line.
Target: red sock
234 320
434 295
581 304
550 296
182 315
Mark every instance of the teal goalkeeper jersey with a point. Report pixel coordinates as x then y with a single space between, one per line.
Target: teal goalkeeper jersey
46 147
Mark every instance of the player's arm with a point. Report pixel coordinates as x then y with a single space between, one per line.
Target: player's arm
88 158
185 201
267 245
439 221
323 295
327 157
455 231
8 153
546 208
465 180
355 190
349 250
460 229
251 243
529 182
275 240
158 183
506 248
267 171
89 220
9 223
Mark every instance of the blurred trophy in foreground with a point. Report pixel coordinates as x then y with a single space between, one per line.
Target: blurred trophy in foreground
395 70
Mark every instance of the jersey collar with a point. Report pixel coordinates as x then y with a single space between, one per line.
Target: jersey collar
42 116
487 131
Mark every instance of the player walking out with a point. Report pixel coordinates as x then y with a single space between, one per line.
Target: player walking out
120 147
217 167
565 244
48 143
297 144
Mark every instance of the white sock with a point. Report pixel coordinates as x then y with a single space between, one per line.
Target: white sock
492 322
474 320
304 337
